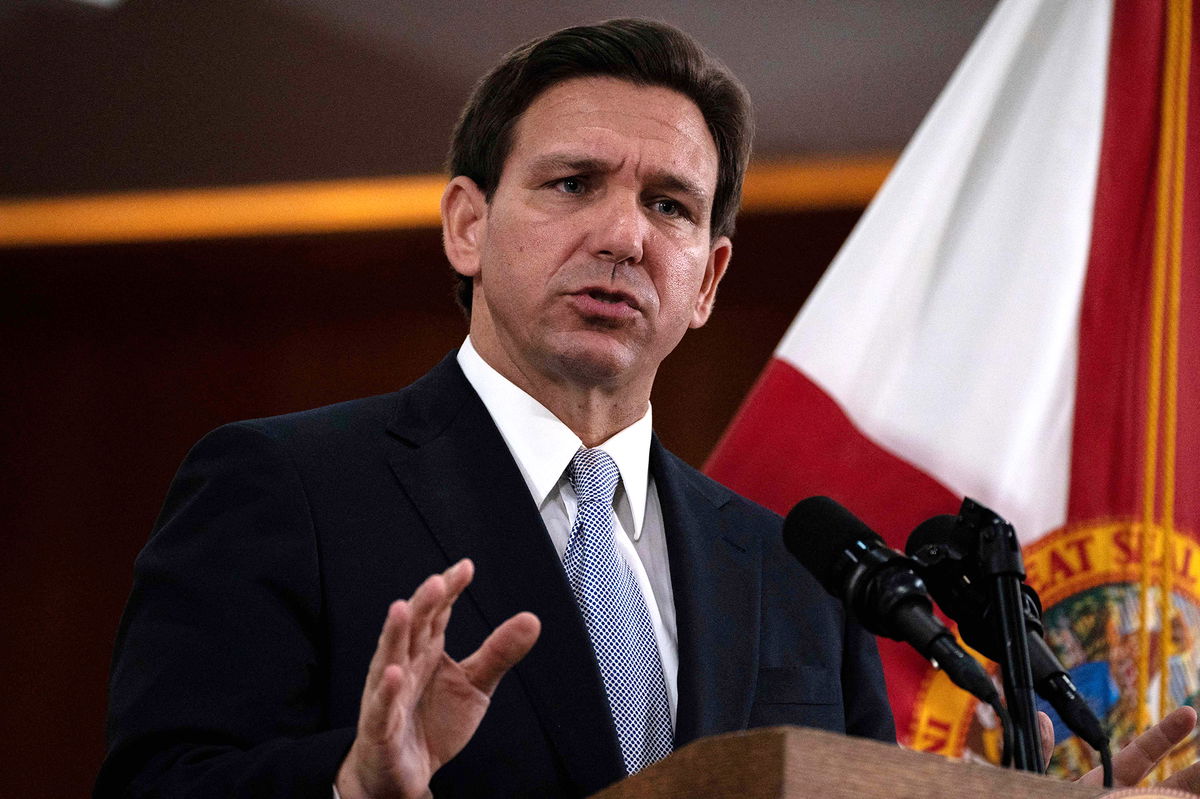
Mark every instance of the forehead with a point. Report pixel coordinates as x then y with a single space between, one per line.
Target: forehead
644 127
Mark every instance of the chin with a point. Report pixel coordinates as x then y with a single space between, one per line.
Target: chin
594 365
591 371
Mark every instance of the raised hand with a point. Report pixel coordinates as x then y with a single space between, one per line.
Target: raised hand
420 707
1144 752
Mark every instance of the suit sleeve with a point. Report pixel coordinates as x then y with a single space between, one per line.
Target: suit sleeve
218 679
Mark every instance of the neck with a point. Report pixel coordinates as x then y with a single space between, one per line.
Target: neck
595 419
593 410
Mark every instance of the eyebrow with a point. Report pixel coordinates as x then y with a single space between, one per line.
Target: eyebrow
666 181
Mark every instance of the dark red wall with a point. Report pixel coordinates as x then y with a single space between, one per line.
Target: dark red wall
116 359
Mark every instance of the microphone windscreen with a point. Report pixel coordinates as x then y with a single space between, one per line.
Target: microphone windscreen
941 530
817 531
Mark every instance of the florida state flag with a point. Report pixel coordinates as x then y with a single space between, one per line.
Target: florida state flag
1016 318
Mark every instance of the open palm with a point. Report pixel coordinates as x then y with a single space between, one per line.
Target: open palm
419 706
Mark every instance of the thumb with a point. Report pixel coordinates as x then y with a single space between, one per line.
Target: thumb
1046 732
502 650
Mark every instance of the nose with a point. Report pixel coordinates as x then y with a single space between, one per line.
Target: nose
619 229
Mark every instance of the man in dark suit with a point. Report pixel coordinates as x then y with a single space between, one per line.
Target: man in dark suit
596 178
596 175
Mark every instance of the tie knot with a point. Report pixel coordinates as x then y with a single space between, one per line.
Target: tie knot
593 475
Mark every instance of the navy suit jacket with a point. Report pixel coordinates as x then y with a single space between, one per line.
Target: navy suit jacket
259 598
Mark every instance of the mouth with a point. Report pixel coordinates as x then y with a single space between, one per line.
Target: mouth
609 297
605 303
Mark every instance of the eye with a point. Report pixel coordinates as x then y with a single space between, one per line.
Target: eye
669 207
571 185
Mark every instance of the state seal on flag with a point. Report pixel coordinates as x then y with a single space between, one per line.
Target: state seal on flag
1089 577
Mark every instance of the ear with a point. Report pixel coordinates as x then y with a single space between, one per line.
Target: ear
464 224
718 262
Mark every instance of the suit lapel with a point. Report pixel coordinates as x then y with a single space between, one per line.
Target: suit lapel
715 576
459 474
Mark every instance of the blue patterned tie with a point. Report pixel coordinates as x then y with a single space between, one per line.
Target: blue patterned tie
616 616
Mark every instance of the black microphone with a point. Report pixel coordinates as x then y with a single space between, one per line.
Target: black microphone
879 586
945 550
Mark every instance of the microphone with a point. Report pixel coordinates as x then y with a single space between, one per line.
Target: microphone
945 550
879 586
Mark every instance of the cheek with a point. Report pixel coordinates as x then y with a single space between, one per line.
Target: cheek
534 250
679 286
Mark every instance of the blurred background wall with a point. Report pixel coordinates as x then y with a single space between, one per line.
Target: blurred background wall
205 216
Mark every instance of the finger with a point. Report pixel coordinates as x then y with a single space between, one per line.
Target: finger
439 592
397 701
457 577
1136 759
1046 731
507 644
427 598
426 604
392 638
1187 780
1143 753
403 618
378 703
384 708
438 595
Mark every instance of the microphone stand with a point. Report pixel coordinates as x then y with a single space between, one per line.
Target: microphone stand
1003 570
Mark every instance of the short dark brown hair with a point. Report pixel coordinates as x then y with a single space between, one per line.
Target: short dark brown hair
643 52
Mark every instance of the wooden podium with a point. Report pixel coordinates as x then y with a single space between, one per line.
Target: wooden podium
796 763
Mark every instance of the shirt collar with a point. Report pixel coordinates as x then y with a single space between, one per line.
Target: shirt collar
543 446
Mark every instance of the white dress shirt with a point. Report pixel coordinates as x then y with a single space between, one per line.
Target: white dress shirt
543 446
